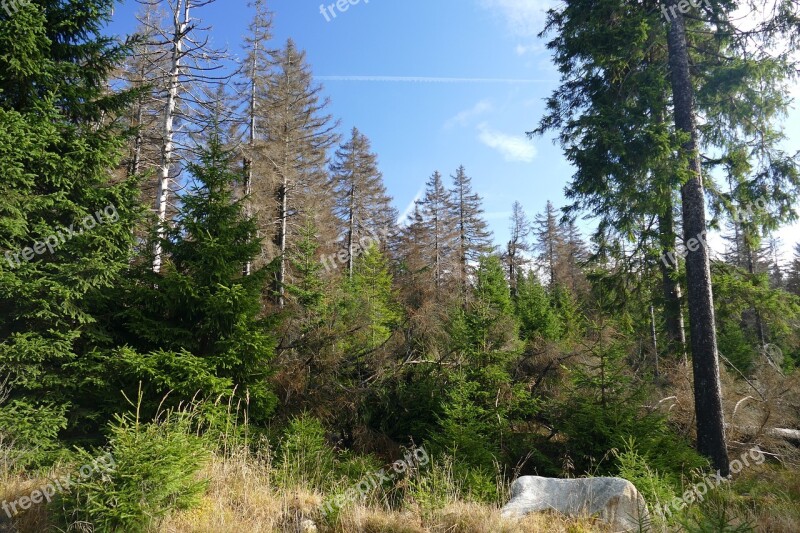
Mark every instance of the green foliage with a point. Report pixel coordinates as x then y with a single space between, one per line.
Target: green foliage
567 310
533 309
656 488
307 289
447 479
155 470
715 514
603 408
198 325
483 399
56 161
736 293
32 432
370 302
304 457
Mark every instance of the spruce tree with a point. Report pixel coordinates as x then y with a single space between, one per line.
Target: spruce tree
483 399
371 301
361 199
297 135
197 326
65 226
533 309
517 247
439 227
474 237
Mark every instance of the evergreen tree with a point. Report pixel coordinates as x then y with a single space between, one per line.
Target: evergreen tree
474 238
439 242
483 399
610 115
296 138
361 199
793 278
371 298
517 247
198 325
534 311
65 226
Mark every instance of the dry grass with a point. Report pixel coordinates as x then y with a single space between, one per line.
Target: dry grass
241 498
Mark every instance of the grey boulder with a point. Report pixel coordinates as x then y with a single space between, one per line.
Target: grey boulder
611 499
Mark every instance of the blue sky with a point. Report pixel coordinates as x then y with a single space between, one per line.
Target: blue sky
434 84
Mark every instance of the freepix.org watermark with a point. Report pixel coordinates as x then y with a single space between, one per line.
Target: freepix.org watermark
107 214
414 458
684 6
46 492
743 214
699 490
332 262
331 11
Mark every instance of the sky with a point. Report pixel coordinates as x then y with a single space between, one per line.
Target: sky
434 84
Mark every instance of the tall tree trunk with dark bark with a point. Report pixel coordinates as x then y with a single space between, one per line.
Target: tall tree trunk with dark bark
702 327
673 312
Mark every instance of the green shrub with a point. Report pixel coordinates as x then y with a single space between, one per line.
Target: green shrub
155 470
304 457
29 434
655 487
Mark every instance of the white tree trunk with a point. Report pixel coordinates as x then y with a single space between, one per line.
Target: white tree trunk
181 22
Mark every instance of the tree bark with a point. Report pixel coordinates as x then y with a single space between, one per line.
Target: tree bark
655 340
181 21
251 143
673 311
351 225
705 364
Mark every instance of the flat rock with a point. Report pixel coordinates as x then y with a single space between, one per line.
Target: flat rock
611 499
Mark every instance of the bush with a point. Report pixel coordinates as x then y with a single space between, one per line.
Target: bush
304 458
29 434
655 487
155 471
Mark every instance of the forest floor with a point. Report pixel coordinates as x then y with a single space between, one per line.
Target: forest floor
243 496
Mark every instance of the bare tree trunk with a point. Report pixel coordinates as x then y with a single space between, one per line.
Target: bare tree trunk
181 21
248 183
283 203
705 363
351 230
283 216
655 340
673 311
135 163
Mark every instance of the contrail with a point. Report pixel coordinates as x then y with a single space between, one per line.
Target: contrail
426 79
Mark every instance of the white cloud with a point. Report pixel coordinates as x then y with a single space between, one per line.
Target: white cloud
525 18
463 118
513 147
